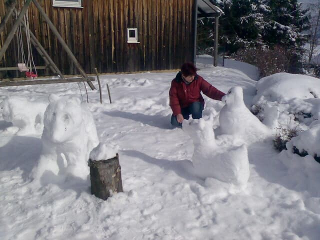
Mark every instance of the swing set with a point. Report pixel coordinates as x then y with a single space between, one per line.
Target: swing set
26 63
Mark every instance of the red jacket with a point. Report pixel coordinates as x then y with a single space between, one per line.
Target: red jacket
182 94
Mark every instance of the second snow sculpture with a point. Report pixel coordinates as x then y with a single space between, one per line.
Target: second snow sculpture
68 137
220 159
237 120
24 114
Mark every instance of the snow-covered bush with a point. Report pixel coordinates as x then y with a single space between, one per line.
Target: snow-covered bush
283 136
294 98
24 114
296 104
268 60
307 142
68 137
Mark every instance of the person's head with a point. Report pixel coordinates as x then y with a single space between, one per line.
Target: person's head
188 71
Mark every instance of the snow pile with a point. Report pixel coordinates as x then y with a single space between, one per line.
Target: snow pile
104 152
282 87
236 119
68 136
219 159
24 114
294 99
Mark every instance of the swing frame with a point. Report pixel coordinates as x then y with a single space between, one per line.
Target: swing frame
43 53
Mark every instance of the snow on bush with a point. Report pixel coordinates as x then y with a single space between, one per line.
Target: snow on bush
68 137
219 159
236 119
307 142
24 114
295 103
295 97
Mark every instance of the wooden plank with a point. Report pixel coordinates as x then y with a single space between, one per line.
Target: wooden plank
113 60
170 35
92 33
16 68
121 30
45 81
108 36
145 34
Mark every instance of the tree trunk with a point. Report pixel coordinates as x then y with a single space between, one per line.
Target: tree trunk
105 176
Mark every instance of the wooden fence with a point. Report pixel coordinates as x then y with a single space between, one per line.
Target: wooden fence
97 34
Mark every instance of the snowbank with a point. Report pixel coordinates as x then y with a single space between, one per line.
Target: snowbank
282 87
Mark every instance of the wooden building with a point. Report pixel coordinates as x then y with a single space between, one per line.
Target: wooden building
112 35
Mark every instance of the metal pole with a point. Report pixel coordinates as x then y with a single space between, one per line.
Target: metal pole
62 42
216 39
14 29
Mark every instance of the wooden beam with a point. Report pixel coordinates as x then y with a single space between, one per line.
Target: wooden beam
14 29
44 81
8 15
16 68
62 42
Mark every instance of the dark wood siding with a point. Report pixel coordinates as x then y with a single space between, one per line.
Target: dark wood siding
97 34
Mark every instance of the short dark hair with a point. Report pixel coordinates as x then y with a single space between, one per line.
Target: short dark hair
188 69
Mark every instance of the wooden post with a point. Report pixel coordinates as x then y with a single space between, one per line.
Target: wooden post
109 93
98 78
105 176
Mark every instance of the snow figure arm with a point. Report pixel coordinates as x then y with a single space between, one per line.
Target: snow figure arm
210 90
174 100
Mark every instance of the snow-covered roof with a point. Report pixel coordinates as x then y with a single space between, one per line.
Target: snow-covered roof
207 9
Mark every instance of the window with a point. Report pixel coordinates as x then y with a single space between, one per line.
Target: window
133 35
67 3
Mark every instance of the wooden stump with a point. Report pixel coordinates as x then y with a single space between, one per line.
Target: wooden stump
105 176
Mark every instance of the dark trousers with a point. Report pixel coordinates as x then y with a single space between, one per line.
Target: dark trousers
195 109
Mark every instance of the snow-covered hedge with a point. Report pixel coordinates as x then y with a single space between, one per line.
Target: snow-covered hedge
291 102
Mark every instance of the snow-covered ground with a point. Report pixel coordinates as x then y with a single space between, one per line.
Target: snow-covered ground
164 195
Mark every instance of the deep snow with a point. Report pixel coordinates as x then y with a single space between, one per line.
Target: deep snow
164 197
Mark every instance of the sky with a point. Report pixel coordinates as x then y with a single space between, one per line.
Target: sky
219 177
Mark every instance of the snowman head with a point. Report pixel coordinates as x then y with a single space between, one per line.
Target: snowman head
234 96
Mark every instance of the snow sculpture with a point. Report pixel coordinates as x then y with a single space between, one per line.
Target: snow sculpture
68 137
24 114
236 119
220 159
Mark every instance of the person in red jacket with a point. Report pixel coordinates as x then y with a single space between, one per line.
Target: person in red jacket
185 94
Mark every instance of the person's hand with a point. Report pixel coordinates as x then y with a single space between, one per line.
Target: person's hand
180 118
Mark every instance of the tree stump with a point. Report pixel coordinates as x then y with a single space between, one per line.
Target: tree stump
105 176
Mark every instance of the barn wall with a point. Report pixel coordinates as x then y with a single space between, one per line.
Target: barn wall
97 34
